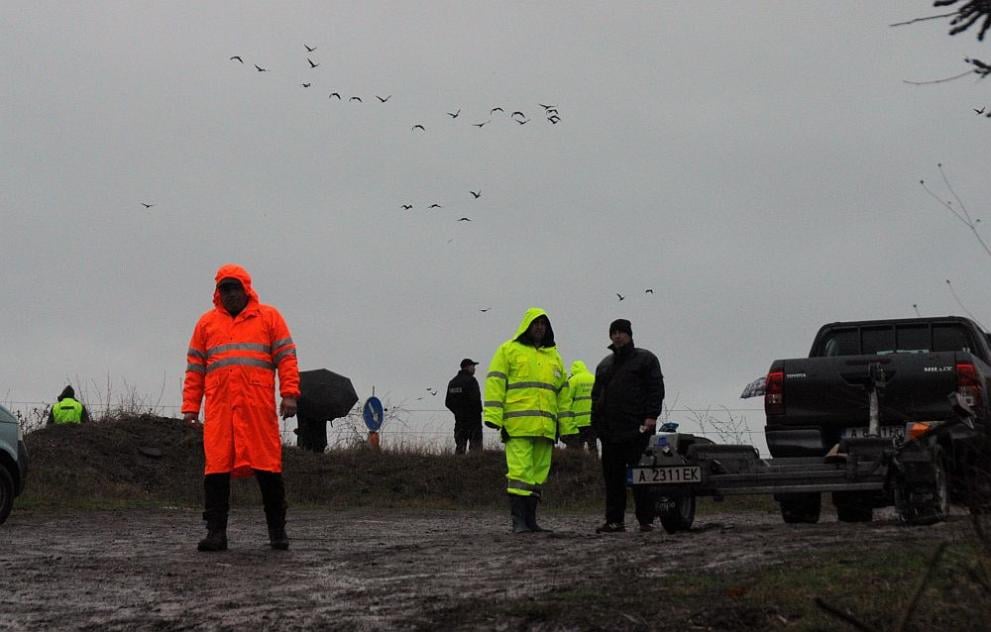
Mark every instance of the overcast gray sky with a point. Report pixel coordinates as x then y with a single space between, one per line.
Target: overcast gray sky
756 164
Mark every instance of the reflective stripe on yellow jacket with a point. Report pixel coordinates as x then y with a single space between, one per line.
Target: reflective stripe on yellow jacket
526 387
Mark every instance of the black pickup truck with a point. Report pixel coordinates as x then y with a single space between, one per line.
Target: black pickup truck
892 373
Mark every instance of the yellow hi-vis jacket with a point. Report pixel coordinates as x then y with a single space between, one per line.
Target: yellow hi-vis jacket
580 384
67 411
526 387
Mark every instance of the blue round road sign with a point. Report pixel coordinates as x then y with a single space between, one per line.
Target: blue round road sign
373 413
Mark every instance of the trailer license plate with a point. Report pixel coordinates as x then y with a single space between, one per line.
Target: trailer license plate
886 432
667 475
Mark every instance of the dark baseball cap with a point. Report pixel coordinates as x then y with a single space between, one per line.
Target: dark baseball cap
467 362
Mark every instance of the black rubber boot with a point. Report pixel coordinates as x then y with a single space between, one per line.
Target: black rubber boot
274 498
518 509
216 500
531 514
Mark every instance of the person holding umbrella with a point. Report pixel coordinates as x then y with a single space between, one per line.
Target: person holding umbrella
234 353
526 397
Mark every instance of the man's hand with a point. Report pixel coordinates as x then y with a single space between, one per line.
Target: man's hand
288 407
649 426
191 419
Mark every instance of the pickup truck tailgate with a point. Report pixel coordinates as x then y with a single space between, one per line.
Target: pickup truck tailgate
830 392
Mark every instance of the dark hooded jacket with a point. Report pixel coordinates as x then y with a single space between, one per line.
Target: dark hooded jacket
68 393
629 388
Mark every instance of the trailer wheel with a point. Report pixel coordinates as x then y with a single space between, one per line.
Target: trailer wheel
929 502
852 507
681 516
801 508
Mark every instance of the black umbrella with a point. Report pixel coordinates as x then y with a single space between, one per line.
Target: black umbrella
325 394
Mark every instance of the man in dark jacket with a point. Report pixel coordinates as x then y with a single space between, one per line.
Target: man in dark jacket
626 401
464 399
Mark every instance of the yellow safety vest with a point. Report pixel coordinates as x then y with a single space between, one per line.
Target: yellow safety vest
67 411
580 384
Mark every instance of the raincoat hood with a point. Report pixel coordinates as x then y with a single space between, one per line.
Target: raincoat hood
578 367
234 271
529 316
68 391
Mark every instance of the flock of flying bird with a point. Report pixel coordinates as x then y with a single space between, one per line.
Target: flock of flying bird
551 114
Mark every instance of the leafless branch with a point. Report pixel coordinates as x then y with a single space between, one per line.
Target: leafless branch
944 80
843 616
931 17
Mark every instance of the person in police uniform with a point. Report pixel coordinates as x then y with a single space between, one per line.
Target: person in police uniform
464 399
68 409
526 392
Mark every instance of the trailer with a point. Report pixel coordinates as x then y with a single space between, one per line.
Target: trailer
909 472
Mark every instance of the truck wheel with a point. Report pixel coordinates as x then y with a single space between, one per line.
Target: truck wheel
6 493
852 508
681 517
927 503
801 508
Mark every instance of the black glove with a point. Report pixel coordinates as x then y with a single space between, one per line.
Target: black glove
504 435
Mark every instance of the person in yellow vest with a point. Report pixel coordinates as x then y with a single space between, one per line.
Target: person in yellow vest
526 394
580 384
67 410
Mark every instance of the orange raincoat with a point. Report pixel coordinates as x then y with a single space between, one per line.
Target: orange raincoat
233 361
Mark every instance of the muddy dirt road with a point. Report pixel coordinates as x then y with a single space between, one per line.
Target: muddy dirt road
368 569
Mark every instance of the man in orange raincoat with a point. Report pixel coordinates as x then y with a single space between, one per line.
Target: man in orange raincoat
236 349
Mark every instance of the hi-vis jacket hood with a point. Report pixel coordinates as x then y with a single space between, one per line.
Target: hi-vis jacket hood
234 271
526 389
529 316
578 367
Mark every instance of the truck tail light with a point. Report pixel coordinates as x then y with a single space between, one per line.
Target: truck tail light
969 385
774 393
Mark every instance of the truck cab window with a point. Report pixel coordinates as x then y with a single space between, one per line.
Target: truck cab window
950 337
841 342
877 340
913 338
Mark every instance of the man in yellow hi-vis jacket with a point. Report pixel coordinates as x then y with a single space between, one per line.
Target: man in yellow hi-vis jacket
580 384
526 389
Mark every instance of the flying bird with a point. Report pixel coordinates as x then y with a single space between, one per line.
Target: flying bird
621 297
312 63
648 291
418 127
432 391
237 58
464 219
554 119
482 124
260 69
550 111
147 205
435 205
496 109
358 99
485 309
383 100
308 49
407 207
477 194
454 114
522 121
547 107
514 114
981 111
334 94
306 85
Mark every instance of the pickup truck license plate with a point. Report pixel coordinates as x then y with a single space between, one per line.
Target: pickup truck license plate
886 432
679 474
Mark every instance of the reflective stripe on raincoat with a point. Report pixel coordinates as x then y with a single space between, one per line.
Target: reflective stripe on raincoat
526 386
233 361
580 385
